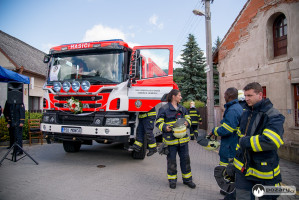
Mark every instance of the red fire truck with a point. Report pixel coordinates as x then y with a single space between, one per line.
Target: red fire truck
95 90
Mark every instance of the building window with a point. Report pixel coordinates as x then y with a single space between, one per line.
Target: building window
296 101
34 104
280 35
264 92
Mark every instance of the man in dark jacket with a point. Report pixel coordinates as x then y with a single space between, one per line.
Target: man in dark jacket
261 130
228 128
15 118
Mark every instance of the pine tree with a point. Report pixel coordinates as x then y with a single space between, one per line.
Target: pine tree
216 73
193 86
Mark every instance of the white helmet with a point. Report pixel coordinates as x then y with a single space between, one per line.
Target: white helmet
241 96
192 104
180 131
179 128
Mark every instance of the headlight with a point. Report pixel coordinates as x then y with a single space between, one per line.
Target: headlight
116 121
46 118
66 86
76 86
85 85
57 86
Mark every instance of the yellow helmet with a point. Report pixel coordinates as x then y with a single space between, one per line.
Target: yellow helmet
212 145
180 131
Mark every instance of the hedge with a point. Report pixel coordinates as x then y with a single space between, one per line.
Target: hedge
4 134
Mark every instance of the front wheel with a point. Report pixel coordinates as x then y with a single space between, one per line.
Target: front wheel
71 147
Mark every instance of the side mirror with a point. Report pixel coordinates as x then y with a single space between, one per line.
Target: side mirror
47 59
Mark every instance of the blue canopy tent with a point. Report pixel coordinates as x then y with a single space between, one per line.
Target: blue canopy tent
8 76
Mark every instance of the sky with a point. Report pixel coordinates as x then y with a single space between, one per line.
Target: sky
44 24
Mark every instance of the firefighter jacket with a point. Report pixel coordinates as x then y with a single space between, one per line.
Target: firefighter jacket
228 129
168 115
261 130
150 114
14 114
195 116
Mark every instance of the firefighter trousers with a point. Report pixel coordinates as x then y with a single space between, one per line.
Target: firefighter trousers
244 188
145 128
183 152
193 131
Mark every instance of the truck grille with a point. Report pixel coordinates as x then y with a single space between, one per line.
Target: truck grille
85 105
75 119
80 98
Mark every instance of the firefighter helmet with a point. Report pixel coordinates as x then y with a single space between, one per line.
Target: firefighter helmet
212 145
225 182
207 142
241 96
179 128
192 104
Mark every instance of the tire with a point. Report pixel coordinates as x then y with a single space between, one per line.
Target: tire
71 147
141 154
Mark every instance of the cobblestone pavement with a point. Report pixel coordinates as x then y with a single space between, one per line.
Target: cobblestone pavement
108 172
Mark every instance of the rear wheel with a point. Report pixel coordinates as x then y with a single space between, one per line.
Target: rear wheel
71 147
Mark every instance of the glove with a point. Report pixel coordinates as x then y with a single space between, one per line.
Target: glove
230 170
163 149
243 141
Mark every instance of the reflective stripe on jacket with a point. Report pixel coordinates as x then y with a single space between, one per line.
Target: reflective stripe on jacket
261 131
194 115
168 115
152 114
228 129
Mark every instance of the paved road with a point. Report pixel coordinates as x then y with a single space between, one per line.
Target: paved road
78 176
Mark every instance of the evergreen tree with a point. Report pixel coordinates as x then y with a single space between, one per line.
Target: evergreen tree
193 85
216 73
177 75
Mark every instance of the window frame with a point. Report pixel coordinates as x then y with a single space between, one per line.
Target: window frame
280 43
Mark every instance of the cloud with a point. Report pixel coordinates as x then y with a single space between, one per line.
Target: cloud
177 59
100 32
46 47
154 21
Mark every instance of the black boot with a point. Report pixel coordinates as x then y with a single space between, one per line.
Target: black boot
152 151
134 147
172 185
190 184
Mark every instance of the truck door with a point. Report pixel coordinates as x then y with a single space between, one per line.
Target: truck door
151 74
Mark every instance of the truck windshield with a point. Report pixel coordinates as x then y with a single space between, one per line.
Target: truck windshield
97 68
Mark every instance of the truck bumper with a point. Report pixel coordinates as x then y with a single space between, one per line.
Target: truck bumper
90 132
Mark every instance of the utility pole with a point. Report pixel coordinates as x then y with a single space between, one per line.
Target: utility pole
210 79
209 68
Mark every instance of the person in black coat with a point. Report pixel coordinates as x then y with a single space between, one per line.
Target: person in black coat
15 117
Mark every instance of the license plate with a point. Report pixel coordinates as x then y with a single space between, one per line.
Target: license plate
70 130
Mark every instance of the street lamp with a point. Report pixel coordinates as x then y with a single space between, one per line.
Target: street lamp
209 69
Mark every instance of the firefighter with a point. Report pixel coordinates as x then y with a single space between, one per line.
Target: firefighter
195 118
228 128
168 115
146 127
261 131
15 118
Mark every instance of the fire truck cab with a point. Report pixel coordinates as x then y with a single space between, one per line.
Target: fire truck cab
95 91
